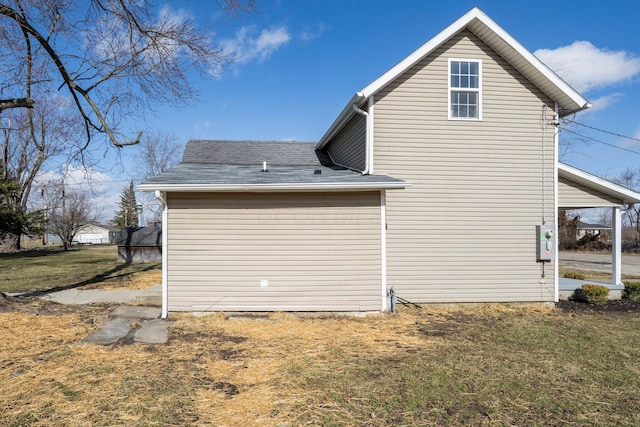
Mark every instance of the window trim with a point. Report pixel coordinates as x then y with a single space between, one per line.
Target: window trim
450 89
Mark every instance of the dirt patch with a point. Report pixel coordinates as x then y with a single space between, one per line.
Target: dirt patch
612 306
440 326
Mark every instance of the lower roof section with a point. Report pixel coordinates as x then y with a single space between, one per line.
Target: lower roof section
215 177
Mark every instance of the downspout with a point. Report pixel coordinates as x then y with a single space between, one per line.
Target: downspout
367 137
160 196
556 150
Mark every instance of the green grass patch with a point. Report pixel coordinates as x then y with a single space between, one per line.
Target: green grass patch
533 369
50 268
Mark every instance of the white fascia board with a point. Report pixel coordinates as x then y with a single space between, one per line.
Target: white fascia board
597 183
274 187
476 17
421 52
540 66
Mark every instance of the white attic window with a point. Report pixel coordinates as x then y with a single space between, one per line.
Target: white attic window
465 89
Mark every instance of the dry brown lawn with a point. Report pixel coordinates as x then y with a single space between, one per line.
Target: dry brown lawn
485 365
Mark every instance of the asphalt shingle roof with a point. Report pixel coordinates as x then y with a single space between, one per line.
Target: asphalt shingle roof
251 153
238 163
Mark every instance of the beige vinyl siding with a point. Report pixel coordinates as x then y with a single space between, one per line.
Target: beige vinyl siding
465 230
572 195
348 147
318 251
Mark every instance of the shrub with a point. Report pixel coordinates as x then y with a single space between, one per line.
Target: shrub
595 294
632 291
575 275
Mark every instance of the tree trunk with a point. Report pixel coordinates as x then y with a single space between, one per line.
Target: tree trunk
11 243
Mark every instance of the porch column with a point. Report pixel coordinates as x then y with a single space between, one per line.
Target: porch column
616 245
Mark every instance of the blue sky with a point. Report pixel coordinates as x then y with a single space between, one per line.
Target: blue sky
302 60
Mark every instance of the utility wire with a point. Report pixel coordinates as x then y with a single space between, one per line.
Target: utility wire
599 142
602 130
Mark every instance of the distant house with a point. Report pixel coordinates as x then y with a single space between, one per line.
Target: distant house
94 234
139 244
585 228
440 179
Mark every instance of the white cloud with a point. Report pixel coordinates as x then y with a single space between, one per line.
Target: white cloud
249 46
314 33
586 67
631 143
103 192
604 102
175 16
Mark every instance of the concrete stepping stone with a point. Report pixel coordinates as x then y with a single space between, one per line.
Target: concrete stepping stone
136 311
111 332
154 331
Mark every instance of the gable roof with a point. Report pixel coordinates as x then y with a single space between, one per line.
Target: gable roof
627 195
237 166
568 99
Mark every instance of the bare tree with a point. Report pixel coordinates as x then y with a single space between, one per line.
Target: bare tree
630 178
67 216
155 154
30 138
112 57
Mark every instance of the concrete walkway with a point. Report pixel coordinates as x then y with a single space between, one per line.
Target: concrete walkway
127 323
91 296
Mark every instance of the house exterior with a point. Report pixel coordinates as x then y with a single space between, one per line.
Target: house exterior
94 234
588 229
460 133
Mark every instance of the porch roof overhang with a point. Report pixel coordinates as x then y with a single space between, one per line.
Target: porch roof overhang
617 194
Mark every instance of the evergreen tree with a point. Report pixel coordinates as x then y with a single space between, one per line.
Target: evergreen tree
126 216
14 220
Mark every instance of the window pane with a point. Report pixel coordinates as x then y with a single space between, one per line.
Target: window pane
464 68
473 111
464 81
454 81
473 81
473 98
463 111
454 111
473 68
455 67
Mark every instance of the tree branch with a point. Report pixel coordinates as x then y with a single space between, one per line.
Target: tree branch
15 103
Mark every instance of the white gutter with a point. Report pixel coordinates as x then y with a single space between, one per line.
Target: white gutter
165 255
367 137
276 187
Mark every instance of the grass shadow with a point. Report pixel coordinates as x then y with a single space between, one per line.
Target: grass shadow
35 253
109 274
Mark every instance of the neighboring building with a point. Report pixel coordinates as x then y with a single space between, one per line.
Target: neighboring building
585 228
432 180
139 244
94 234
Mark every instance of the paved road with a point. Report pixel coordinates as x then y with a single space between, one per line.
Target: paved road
599 262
